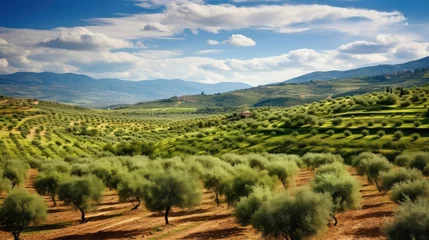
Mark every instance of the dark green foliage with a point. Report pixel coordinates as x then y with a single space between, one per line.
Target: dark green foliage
365 132
381 133
19 210
171 188
47 183
398 135
347 133
248 205
298 217
330 132
82 192
411 221
418 160
411 190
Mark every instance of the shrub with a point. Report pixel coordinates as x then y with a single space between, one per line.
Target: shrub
381 133
15 172
411 221
417 123
313 132
347 133
171 188
415 136
365 133
83 193
393 176
398 135
19 210
337 121
370 123
330 132
301 216
399 123
371 165
411 190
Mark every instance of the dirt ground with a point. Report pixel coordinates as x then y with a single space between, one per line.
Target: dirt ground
114 220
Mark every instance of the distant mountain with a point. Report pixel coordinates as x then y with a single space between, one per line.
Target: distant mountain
86 91
359 72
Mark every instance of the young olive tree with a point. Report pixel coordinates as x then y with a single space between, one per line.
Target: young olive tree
15 172
397 175
298 217
20 209
283 170
315 160
47 183
247 206
410 189
132 186
343 189
411 221
212 179
371 165
82 192
171 188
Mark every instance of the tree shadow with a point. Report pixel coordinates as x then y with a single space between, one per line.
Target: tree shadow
374 215
371 232
368 206
46 227
216 234
103 217
205 218
103 235
181 213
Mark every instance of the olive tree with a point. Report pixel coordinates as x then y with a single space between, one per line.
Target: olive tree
20 209
301 216
132 186
410 189
15 172
283 170
343 189
315 160
371 165
47 183
82 192
248 205
171 188
411 221
397 175
212 179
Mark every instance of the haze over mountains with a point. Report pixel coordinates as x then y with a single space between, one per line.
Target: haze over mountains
86 91
359 72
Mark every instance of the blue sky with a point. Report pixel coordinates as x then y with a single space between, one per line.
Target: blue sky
256 42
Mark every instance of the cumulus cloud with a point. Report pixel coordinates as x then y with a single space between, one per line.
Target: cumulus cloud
212 42
3 63
283 18
240 41
80 38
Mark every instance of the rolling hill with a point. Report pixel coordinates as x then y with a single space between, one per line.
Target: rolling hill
359 72
86 91
290 94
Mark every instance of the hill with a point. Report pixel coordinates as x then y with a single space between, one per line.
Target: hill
290 94
359 72
86 91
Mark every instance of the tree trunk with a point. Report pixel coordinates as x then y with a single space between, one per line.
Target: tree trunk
83 219
284 183
136 205
13 185
53 200
376 184
335 219
217 198
167 210
16 235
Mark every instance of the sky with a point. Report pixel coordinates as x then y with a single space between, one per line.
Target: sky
252 41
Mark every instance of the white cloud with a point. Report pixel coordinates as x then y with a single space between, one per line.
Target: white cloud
283 18
212 42
240 41
155 26
3 63
159 54
80 38
208 51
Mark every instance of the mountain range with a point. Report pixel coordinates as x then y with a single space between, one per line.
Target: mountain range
360 72
86 91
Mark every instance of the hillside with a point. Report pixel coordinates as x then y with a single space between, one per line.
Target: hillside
86 91
290 94
365 71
